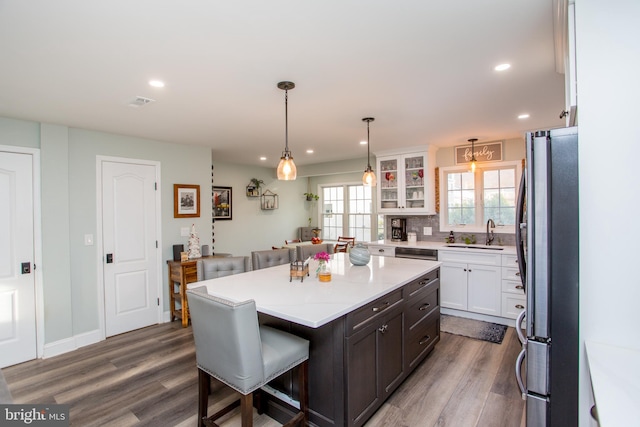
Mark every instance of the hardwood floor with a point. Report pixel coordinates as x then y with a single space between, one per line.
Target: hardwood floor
148 377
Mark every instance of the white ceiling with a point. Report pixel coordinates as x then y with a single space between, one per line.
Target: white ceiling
422 68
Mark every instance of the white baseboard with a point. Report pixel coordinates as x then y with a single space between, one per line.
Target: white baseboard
87 338
70 344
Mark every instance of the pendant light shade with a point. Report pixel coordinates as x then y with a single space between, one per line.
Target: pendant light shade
369 178
286 168
473 154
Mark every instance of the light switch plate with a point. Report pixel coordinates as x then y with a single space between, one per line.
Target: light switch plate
427 231
184 231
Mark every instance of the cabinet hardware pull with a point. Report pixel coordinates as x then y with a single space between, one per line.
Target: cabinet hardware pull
518 273
520 306
465 269
383 328
423 282
424 340
424 307
382 307
519 287
380 250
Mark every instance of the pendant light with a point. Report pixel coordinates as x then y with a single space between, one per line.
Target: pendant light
369 178
473 154
286 168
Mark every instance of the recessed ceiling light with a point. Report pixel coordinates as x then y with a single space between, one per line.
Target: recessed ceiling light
523 116
309 151
156 83
502 67
263 158
363 142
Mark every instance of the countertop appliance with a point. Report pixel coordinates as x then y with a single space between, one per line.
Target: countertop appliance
547 240
398 229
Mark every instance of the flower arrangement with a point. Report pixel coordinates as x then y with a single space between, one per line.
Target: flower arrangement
322 256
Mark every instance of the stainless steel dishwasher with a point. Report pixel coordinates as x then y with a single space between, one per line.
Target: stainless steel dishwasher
417 253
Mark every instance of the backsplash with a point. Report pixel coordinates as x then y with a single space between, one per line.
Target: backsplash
417 223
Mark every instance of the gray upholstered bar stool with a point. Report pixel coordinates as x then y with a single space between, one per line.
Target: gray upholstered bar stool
232 347
269 258
305 251
212 268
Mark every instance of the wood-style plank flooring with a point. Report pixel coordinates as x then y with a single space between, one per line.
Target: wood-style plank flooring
148 378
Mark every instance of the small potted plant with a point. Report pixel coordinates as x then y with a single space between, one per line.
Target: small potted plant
253 189
311 196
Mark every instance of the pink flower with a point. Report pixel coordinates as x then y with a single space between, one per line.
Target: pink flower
322 256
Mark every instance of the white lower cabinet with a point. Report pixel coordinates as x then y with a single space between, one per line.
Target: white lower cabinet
513 297
471 286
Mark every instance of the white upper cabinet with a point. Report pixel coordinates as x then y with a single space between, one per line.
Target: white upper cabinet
406 181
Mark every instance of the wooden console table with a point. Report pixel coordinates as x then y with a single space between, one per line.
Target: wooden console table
181 273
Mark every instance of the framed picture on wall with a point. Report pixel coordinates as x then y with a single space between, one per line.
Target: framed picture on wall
222 203
186 201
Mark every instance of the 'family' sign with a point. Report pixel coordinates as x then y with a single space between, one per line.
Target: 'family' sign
484 152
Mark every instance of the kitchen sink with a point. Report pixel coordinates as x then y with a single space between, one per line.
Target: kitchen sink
465 246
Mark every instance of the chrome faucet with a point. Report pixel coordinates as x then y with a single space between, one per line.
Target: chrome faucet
490 237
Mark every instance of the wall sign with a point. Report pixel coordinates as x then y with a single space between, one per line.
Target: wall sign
484 152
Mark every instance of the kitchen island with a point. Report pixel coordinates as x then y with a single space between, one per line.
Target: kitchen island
368 329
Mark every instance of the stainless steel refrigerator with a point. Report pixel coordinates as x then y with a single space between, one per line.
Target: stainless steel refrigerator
547 239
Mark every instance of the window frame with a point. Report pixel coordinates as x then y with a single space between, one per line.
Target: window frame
478 190
347 213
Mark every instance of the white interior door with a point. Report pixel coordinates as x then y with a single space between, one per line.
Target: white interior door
129 245
17 281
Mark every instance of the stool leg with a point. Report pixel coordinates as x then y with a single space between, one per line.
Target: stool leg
203 396
246 409
303 378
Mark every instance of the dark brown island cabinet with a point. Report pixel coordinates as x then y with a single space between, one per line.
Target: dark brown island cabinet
359 359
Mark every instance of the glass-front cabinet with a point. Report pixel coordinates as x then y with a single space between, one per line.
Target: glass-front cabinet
405 182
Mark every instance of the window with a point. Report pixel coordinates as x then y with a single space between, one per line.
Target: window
469 200
347 210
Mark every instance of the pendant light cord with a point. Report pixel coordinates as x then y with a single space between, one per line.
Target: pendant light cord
286 122
368 145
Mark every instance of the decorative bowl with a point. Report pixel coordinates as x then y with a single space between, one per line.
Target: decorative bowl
317 242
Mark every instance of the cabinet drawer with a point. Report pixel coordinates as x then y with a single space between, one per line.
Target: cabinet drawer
512 305
361 316
511 273
423 282
423 306
510 261
422 338
382 250
513 287
464 256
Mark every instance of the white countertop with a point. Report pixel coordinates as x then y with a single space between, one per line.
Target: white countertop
507 250
615 379
313 303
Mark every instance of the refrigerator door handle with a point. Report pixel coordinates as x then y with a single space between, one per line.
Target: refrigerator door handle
519 362
519 320
521 225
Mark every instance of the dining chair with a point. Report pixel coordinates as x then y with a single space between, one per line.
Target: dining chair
344 243
232 347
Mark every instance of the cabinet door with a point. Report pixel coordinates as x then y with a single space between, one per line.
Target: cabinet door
391 352
453 285
389 191
484 289
415 178
363 382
